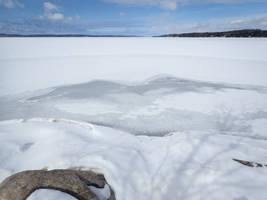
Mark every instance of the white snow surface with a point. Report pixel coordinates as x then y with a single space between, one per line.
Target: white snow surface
178 166
35 63
161 118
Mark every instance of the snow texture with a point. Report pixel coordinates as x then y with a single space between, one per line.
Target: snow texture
182 165
162 118
156 107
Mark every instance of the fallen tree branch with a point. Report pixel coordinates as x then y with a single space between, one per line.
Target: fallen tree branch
21 185
250 164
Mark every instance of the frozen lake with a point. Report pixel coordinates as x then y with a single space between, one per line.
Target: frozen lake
98 103
145 86
50 62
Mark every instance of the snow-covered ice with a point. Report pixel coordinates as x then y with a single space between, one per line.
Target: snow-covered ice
162 118
157 106
36 63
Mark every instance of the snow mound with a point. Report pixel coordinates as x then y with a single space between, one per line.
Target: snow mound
182 165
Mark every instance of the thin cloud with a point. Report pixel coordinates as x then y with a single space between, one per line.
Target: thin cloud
172 4
50 12
56 16
11 4
50 6
164 26
168 4
37 26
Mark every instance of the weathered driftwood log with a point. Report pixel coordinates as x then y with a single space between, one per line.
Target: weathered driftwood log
250 164
19 186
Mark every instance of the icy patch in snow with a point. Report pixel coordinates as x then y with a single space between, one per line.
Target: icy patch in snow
88 108
239 101
157 106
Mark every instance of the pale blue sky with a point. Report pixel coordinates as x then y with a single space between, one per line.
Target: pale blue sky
130 17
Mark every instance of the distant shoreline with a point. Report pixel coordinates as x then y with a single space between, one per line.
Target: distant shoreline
59 35
245 33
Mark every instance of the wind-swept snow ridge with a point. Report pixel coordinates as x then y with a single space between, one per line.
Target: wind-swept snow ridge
50 120
67 121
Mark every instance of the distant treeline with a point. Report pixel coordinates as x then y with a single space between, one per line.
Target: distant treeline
237 33
59 35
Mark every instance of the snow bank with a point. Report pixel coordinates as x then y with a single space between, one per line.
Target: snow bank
183 165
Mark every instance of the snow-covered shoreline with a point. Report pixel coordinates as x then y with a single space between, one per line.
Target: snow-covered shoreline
180 165
161 118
